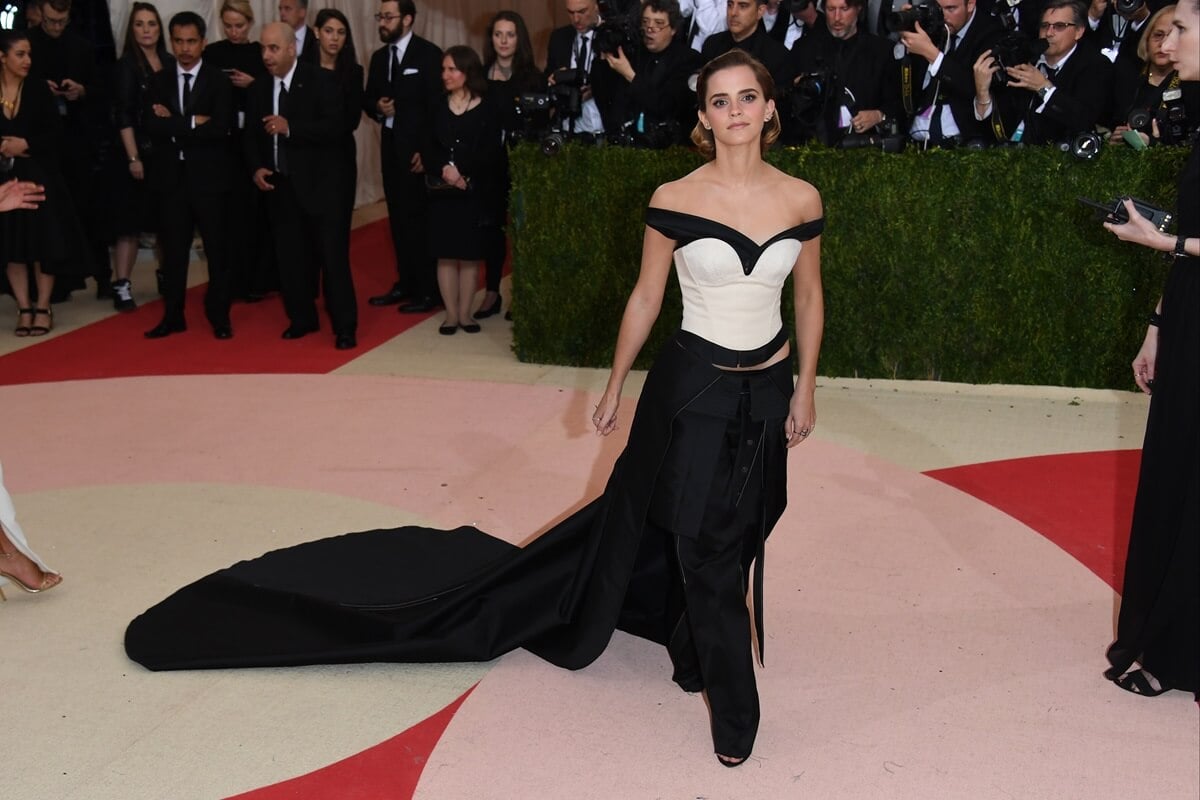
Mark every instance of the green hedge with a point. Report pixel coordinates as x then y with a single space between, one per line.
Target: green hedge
978 267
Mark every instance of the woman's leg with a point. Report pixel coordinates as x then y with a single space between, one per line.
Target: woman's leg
43 317
447 277
468 279
18 279
124 256
16 559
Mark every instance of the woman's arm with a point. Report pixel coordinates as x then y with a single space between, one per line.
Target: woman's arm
810 327
641 311
1144 361
1140 230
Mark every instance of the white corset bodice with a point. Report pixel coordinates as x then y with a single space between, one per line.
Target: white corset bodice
730 284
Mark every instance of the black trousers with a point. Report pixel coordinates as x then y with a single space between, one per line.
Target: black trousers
710 644
185 210
408 218
314 251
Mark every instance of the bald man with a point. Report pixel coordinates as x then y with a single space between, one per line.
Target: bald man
292 134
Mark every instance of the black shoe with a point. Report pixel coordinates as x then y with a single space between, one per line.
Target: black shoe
123 295
104 288
447 330
420 306
345 341
471 327
165 328
393 296
487 311
223 331
296 331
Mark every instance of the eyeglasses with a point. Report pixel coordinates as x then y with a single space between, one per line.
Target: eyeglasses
386 17
654 27
1057 27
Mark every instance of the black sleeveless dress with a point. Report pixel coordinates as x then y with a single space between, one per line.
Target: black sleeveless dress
1159 621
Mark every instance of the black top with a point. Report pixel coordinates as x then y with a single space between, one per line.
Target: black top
502 96
659 90
862 65
243 57
472 141
131 103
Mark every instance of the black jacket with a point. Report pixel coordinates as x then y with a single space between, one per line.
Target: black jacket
659 90
209 167
1081 99
600 76
759 44
416 89
316 123
862 67
954 84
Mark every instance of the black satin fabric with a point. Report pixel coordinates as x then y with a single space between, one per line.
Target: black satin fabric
1159 621
419 595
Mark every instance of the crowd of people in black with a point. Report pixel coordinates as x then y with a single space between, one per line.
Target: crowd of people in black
251 144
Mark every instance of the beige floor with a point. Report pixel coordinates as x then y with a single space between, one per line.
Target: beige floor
82 722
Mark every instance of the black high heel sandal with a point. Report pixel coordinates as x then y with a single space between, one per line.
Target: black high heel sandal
23 330
41 330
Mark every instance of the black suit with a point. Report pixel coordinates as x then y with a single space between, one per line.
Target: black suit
311 52
862 66
191 171
415 87
954 84
601 78
309 190
771 53
1080 100
659 92
1118 33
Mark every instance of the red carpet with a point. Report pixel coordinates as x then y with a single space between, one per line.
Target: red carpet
1083 502
115 347
390 769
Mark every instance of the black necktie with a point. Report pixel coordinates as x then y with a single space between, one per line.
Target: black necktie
953 43
280 155
581 56
1050 72
394 64
187 91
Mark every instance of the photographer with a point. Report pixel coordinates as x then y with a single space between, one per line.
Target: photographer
652 104
746 32
1064 93
573 65
937 80
1149 97
803 19
1116 27
847 80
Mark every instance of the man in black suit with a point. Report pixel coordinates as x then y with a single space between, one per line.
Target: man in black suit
294 14
404 82
803 18
745 31
192 170
1117 34
1065 93
654 104
861 87
293 128
937 79
573 47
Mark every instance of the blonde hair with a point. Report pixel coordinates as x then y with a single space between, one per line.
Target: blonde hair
1143 48
703 137
238 6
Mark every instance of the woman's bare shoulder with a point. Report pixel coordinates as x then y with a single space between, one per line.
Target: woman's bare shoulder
799 195
675 194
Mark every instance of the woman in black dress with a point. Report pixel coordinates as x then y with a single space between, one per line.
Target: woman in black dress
1159 624
336 52
463 168
44 243
511 72
251 255
144 54
1142 89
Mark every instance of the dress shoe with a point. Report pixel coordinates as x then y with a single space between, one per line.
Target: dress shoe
470 327
165 328
223 331
345 341
123 295
391 297
448 330
420 306
104 288
486 311
296 331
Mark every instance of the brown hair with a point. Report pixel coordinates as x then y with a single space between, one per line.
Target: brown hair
703 137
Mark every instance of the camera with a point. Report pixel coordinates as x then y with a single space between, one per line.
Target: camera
928 13
889 139
1139 119
1084 145
1127 8
1013 48
616 31
652 136
1172 118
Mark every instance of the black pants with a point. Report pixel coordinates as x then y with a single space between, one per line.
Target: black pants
408 218
184 210
710 645
314 251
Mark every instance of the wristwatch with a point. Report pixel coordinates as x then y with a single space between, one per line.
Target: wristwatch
1041 93
1180 250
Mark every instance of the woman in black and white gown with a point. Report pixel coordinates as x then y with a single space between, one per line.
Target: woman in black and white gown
665 552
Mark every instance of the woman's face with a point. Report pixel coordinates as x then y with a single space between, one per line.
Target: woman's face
145 29
504 38
1182 44
735 107
332 37
236 27
17 60
453 78
1158 34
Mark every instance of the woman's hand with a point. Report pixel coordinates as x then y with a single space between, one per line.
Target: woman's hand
14 147
605 415
240 79
1143 364
451 175
801 419
1140 230
137 170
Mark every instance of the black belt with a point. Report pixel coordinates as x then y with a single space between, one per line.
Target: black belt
724 357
